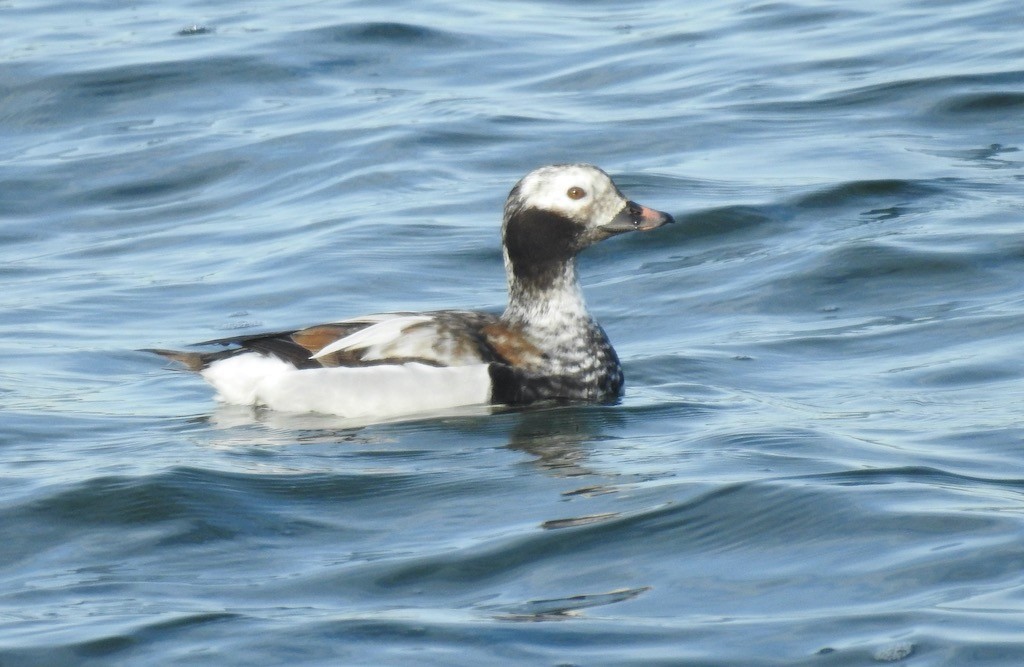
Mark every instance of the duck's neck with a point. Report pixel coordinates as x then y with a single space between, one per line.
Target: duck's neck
547 301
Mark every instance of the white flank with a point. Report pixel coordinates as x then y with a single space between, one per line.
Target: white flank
369 391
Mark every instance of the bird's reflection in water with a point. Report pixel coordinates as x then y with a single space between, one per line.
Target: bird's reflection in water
559 437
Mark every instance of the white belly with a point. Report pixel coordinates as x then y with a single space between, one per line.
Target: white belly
383 391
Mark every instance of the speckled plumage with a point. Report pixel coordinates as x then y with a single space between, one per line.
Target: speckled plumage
545 346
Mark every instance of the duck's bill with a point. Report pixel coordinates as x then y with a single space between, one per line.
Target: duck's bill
636 218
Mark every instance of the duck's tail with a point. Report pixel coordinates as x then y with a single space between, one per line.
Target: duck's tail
194 361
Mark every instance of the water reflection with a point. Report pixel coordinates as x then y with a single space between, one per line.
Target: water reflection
558 437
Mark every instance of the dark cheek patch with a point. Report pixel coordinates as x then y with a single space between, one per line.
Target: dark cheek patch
540 243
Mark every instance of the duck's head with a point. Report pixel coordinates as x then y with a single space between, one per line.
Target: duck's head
554 212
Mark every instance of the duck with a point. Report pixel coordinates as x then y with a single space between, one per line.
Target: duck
545 346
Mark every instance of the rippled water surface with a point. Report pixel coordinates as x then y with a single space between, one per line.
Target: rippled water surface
819 458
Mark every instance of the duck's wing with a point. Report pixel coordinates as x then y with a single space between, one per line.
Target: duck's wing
441 338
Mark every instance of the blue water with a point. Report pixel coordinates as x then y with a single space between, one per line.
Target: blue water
819 458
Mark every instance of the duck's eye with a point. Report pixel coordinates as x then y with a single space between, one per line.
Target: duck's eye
576 193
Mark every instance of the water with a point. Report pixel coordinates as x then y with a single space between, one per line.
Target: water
818 460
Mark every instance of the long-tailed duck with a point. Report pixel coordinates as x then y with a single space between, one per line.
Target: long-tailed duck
545 346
